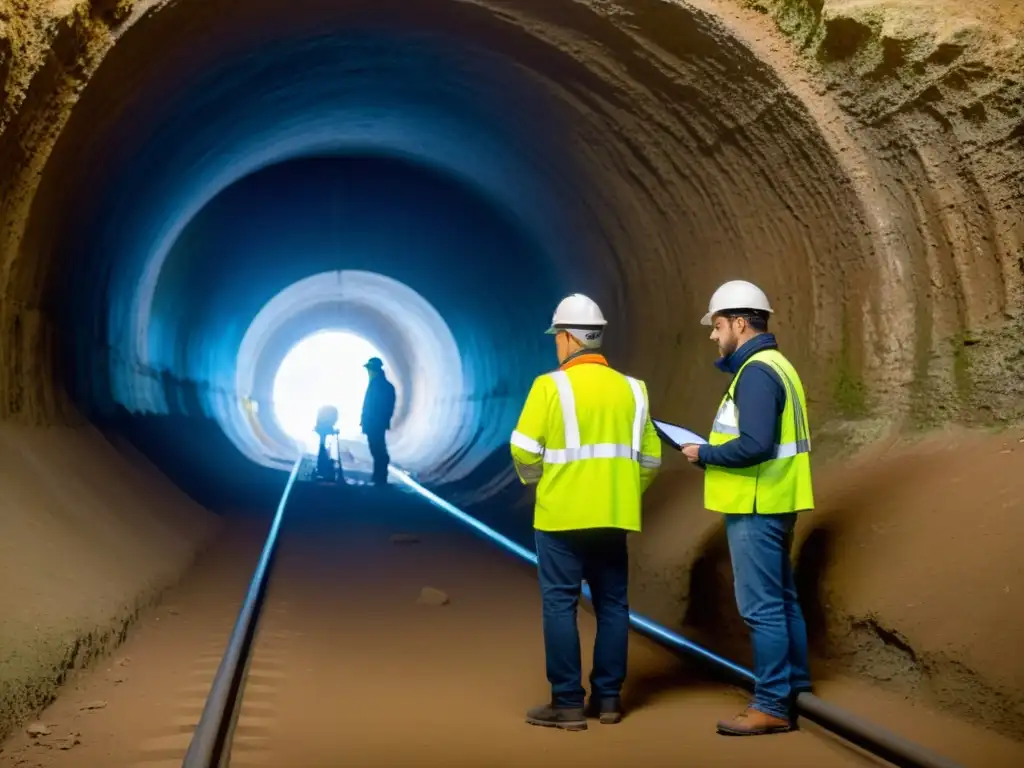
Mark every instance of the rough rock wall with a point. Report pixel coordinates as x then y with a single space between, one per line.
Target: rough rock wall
910 577
937 89
90 532
47 50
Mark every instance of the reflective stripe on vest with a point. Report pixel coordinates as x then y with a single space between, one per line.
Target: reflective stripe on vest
802 444
727 419
574 450
528 444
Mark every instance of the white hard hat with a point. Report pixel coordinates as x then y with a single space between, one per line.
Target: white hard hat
580 316
736 294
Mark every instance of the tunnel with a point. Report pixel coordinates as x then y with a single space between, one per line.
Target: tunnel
188 189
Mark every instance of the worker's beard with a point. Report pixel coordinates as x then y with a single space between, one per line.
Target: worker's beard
727 346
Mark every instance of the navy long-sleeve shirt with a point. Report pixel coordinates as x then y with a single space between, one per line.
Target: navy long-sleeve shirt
378 406
760 399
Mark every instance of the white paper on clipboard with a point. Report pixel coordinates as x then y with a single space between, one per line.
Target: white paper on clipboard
677 435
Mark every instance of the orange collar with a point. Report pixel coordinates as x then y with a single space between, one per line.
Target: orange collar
594 358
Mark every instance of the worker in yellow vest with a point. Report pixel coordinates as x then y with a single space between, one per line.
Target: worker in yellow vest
585 437
758 474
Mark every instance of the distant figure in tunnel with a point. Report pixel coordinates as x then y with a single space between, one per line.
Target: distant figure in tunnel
758 473
586 438
378 408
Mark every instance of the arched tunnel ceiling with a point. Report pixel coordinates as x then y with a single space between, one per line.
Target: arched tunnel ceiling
648 150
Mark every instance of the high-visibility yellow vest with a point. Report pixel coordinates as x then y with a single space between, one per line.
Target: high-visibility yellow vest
585 437
783 482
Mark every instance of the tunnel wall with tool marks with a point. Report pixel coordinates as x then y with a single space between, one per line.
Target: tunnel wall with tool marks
862 161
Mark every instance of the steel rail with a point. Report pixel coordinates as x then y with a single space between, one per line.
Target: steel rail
210 746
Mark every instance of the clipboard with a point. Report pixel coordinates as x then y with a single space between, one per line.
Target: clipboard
675 435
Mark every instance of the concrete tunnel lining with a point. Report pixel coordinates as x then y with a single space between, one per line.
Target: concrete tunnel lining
430 234
313 319
432 414
671 155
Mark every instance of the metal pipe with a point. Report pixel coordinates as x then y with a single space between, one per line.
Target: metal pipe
870 737
210 746
873 738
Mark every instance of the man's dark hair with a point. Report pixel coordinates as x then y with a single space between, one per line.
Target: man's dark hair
756 318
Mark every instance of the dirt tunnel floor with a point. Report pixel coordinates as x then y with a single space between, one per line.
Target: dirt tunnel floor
350 669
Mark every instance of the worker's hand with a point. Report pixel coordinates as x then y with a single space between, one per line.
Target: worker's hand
691 452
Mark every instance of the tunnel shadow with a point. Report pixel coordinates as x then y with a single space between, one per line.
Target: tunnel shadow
503 511
852 498
711 614
644 688
812 562
710 583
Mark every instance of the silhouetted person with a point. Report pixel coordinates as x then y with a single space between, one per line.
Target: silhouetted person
378 408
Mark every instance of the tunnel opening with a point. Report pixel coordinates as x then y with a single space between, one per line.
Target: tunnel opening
407 247
431 365
327 368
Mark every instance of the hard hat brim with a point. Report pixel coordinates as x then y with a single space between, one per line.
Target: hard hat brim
580 327
708 319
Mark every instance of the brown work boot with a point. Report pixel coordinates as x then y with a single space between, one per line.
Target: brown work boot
550 716
608 710
753 722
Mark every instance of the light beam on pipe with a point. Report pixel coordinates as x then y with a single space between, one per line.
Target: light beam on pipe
886 744
641 623
875 739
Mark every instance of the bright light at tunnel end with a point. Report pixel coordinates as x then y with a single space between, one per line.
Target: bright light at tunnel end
324 368
436 418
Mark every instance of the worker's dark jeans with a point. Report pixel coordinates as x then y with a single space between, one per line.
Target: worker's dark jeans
759 546
566 558
379 451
